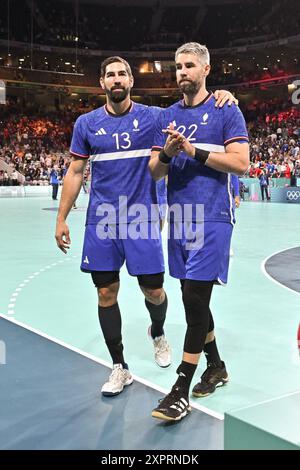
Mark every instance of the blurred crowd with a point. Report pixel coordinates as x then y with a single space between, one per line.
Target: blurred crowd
274 139
32 145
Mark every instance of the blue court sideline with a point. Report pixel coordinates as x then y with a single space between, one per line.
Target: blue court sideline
53 401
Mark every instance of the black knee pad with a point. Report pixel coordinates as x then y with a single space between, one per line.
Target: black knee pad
105 278
196 298
151 281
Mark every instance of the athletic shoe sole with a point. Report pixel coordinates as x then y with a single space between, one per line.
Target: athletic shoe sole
113 394
202 395
160 415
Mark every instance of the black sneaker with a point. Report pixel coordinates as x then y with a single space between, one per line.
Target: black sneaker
173 407
212 378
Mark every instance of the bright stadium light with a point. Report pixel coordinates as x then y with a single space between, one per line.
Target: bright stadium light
157 66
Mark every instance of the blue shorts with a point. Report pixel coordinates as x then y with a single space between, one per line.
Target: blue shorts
207 258
142 256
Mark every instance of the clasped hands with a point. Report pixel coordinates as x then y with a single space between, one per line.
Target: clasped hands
177 142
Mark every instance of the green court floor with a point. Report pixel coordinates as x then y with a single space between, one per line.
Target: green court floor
256 319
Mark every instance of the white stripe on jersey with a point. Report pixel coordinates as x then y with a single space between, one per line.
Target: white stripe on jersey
102 157
230 198
210 147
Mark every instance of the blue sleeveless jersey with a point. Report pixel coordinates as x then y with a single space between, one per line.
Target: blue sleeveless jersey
119 150
190 182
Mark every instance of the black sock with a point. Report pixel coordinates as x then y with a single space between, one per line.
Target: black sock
212 354
185 375
158 316
111 324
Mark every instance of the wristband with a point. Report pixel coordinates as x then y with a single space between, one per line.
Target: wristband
163 157
201 155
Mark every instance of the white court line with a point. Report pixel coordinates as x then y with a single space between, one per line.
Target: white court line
263 268
205 410
24 283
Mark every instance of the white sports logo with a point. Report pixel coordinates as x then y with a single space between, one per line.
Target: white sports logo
204 119
101 132
136 125
293 195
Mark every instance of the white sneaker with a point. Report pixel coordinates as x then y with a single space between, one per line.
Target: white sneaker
117 380
162 350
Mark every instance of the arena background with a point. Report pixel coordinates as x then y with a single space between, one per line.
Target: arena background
53 359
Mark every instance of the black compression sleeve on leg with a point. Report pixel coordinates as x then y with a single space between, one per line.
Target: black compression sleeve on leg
158 316
212 353
210 349
185 373
196 298
111 325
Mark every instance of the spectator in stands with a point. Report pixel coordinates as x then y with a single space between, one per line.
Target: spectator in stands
54 181
14 178
6 180
295 173
264 185
243 189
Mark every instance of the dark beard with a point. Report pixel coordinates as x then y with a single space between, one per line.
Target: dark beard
117 97
189 88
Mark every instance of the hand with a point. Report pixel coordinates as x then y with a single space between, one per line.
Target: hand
187 147
62 236
222 96
177 142
174 141
237 201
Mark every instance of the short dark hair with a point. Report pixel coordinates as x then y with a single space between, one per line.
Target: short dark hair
111 60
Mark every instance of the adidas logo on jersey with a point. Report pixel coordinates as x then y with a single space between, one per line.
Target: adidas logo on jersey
101 132
86 260
204 120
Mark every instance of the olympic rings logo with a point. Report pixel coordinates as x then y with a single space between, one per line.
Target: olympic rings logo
293 195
